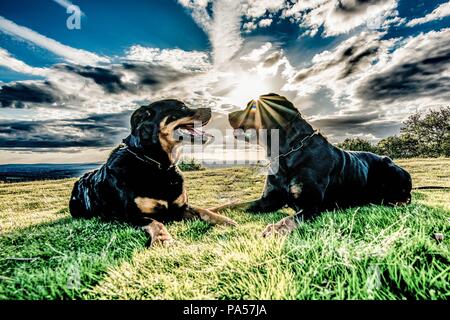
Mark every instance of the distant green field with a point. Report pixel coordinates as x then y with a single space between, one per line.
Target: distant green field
370 252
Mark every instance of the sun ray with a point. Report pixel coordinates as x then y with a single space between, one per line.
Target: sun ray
258 120
276 116
247 112
280 106
268 116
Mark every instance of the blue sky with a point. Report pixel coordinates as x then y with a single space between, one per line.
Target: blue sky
352 67
108 27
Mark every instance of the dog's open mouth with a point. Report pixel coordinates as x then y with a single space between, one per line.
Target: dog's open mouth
192 133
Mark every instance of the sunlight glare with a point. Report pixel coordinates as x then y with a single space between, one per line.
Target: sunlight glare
247 86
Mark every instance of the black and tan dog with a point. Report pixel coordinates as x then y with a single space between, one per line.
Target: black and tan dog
140 183
313 175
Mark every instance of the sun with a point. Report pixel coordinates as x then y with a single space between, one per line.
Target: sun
247 86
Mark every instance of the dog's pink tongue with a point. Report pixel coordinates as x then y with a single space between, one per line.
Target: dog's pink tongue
197 132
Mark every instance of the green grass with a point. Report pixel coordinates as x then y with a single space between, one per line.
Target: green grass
370 252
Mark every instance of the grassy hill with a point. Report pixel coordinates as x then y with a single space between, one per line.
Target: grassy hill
371 252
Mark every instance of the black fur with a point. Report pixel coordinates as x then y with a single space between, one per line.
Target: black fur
138 168
318 176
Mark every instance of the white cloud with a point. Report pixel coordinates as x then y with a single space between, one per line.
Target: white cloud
335 16
249 26
258 8
440 12
70 54
175 58
265 23
301 6
8 61
416 73
340 68
373 84
256 54
340 16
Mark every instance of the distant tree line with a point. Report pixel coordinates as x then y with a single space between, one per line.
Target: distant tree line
421 135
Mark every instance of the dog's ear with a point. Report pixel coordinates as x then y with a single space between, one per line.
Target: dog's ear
140 115
149 132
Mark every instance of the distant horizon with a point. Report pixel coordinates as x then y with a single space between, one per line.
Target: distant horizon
14 172
49 164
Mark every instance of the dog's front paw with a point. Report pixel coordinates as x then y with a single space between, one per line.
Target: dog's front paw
282 228
223 220
158 234
228 222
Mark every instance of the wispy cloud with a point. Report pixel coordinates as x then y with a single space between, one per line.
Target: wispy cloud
8 61
73 55
199 12
225 33
440 12
223 27
66 4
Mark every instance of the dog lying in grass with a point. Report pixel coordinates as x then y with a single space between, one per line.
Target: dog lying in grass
313 175
140 183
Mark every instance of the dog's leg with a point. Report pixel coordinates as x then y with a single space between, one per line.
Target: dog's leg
261 205
286 225
235 205
158 234
306 198
207 215
272 199
190 212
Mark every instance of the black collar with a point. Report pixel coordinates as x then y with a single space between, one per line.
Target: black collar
146 159
296 147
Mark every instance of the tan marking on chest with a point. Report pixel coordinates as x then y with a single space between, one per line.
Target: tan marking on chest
148 205
296 190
